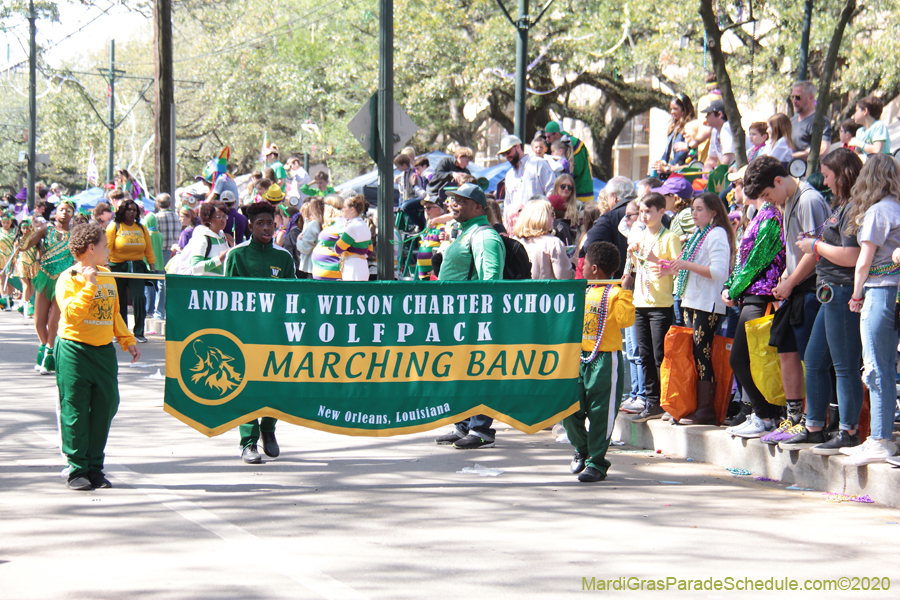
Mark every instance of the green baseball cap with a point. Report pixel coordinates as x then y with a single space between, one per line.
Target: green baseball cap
552 127
472 192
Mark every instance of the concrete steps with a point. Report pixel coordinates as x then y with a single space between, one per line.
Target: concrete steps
801 468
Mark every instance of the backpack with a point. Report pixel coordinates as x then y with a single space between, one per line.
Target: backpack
516 265
181 264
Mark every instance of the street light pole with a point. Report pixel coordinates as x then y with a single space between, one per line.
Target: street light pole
32 101
110 153
385 150
522 27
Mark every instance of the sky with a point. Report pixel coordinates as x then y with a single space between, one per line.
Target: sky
89 28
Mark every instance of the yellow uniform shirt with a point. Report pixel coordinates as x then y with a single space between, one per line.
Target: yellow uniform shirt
620 315
651 291
90 313
129 242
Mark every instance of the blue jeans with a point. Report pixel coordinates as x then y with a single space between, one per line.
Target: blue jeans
634 364
879 349
679 313
415 211
156 298
834 340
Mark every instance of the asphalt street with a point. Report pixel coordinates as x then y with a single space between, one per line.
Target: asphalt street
340 517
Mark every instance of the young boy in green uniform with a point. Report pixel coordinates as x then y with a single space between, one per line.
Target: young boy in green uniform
259 257
86 367
607 310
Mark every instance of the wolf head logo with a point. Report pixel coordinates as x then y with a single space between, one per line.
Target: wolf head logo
214 368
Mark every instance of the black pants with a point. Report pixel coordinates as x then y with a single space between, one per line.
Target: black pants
740 362
132 291
705 325
650 328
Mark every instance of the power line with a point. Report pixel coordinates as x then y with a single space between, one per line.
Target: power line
59 41
266 34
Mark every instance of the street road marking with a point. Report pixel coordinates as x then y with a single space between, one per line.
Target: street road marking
289 565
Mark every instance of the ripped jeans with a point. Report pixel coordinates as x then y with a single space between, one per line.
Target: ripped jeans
879 350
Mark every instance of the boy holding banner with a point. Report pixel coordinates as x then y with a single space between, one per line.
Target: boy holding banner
607 310
259 257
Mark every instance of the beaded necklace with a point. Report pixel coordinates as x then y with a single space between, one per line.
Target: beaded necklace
601 325
689 254
642 260
885 270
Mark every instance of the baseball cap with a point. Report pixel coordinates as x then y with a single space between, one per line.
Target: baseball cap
737 176
472 192
714 106
507 143
273 149
679 186
227 197
557 202
552 127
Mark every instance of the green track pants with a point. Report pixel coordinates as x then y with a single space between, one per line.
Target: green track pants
87 378
250 431
599 394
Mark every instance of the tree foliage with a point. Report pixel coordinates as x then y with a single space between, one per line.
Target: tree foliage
266 69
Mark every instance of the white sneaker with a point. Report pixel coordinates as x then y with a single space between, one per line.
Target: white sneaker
875 452
747 422
756 429
855 449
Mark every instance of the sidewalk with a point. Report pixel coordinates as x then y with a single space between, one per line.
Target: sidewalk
341 517
706 443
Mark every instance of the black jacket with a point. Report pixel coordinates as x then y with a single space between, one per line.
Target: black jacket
606 229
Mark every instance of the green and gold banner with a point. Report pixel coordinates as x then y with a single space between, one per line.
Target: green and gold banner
372 358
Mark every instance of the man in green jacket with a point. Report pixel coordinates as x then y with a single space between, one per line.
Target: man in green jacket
259 257
477 254
581 169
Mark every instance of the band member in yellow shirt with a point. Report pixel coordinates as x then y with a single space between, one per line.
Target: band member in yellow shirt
86 366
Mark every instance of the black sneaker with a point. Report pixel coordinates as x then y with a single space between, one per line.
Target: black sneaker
802 439
270 444
591 475
98 480
653 411
473 442
739 418
577 465
250 455
140 339
79 483
833 446
450 438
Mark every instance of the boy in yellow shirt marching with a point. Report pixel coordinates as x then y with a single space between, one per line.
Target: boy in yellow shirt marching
86 365
607 310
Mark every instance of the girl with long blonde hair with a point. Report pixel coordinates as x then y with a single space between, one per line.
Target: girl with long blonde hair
534 229
875 219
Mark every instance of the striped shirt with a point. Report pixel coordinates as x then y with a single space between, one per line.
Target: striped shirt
430 241
326 262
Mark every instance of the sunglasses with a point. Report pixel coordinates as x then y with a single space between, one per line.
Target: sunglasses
566 186
796 97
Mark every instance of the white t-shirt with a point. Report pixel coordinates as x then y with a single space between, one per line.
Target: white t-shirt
721 142
780 150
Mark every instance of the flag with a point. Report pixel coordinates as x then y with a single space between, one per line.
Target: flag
265 148
93 176
222 163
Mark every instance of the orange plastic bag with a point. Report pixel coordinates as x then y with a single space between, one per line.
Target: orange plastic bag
721 359
678 373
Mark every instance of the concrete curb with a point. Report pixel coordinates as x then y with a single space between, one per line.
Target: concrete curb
706 443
